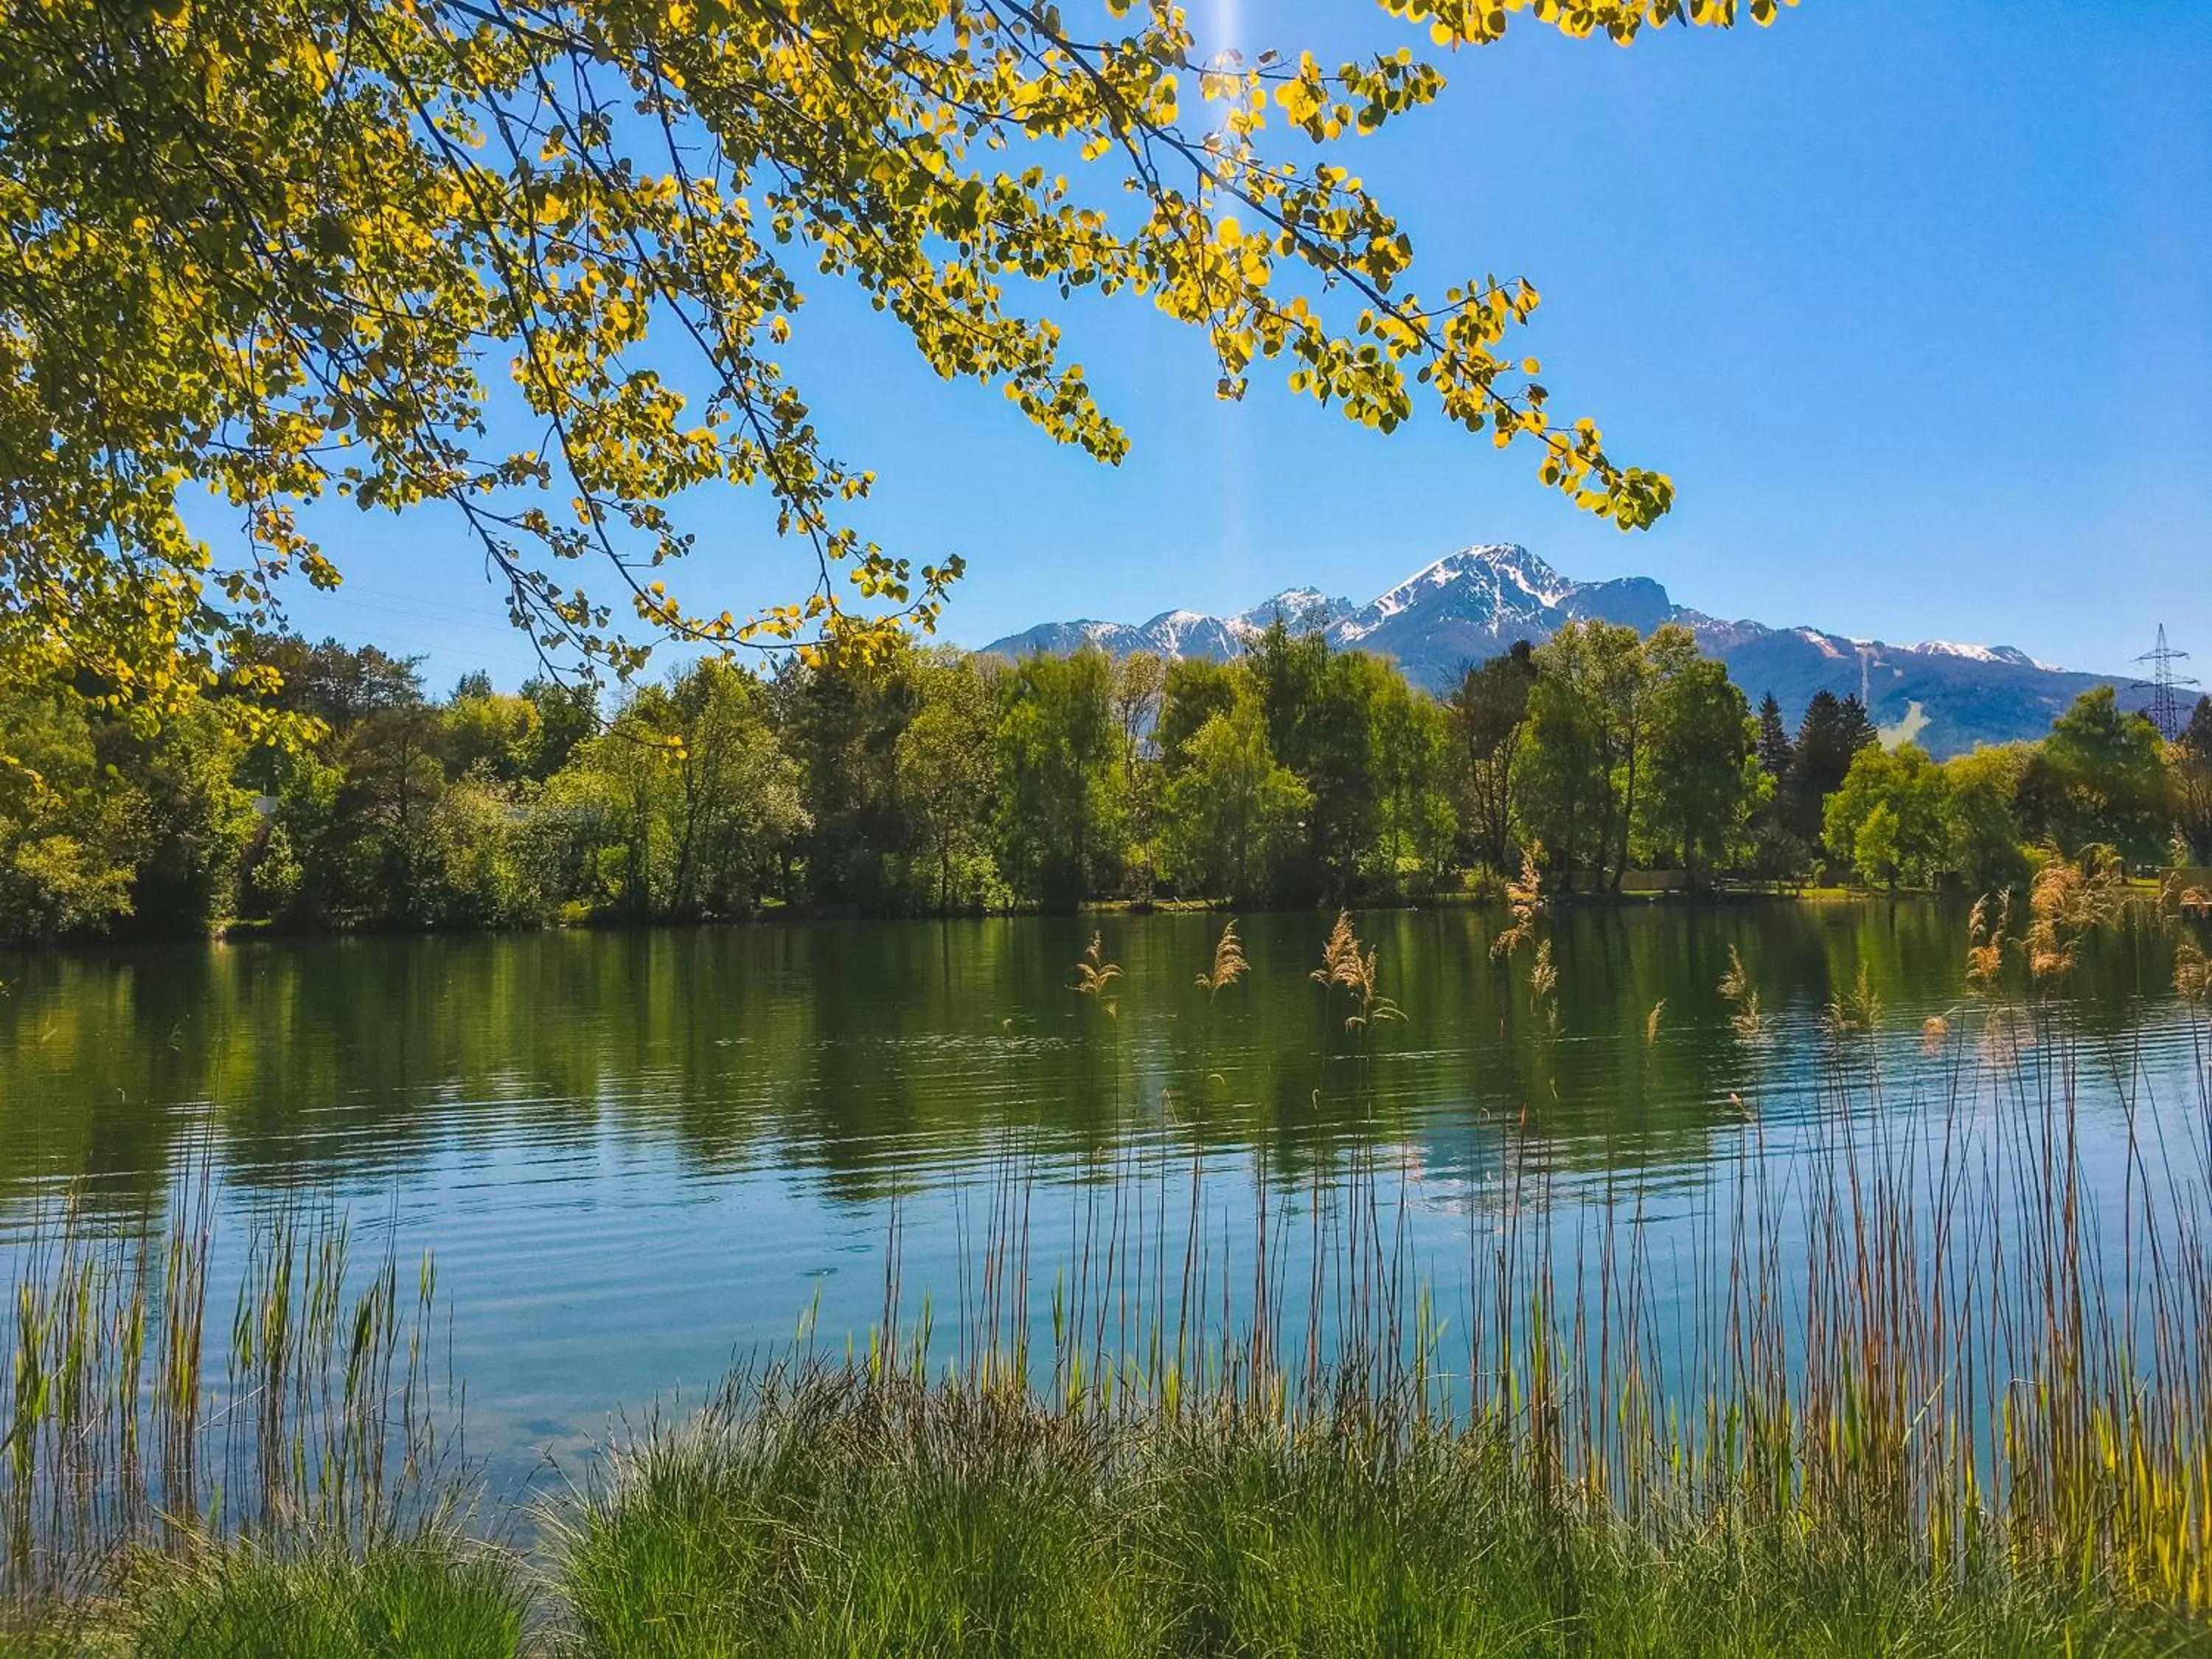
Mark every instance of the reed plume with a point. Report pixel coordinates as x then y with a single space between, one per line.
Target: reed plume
1524 900
1344 964
1985 940
1543 980
1095 977
1742 998
1855 1010
2067 901
1229 963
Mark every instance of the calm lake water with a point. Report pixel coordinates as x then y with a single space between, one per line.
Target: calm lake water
637 1155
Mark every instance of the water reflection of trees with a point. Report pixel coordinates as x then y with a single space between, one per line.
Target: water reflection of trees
867 1056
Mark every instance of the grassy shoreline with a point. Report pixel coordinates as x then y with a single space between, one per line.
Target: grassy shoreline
830 1516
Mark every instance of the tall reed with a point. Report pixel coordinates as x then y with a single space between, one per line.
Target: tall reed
1948 1332
124 1426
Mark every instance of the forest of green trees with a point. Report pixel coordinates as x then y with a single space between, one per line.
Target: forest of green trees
935 780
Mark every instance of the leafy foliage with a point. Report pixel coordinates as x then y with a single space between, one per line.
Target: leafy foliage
2101 779
1704 776
1057 807
539 264
2193 782
1887 820
1635 747
1486 712
920 781
1234 817
1834 733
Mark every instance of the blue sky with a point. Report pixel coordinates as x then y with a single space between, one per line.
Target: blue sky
1913 300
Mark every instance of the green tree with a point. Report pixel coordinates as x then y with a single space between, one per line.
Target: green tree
1776 851
2193 782
1289 668
343 842
1704 778
840 717
947 780
1417 828
299 873
334 685
392 762
581 834
473 871
70 835
1231 815
1886 821
2100 777
698 802
1196 689
1582 749
277 251
567 714
1139 692
1324 711
1834 731
734 798
1059 766
1981 828
1856 726
1488 708
1775 750
500 737
197 822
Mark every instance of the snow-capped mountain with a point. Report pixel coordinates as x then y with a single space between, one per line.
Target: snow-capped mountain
1475 603
1180 633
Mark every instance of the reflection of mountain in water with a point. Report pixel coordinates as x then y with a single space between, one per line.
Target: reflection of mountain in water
1475 603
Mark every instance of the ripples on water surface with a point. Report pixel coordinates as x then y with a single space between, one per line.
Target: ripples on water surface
638 1154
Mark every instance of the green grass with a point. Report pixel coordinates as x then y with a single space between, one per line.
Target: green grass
832 1516
996 1530
428 1597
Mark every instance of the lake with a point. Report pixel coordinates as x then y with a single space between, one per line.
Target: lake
638 1155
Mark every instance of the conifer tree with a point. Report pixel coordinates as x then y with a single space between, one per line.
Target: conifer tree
1856 728
1775 749
1834 730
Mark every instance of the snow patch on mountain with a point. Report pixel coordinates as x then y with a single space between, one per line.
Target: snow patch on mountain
1474 602
1818 641
1294 606
2003 654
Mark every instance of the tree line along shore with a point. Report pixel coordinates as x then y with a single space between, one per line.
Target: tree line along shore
321 787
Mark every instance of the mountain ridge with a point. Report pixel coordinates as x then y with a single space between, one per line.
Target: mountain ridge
1474 602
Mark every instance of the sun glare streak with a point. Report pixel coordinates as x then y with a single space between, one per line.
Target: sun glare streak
1231 484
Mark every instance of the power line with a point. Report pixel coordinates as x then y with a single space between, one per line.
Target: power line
2165 687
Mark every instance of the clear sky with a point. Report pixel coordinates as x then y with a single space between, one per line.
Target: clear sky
1912 298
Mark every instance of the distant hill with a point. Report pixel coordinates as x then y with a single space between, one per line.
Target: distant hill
1475 603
